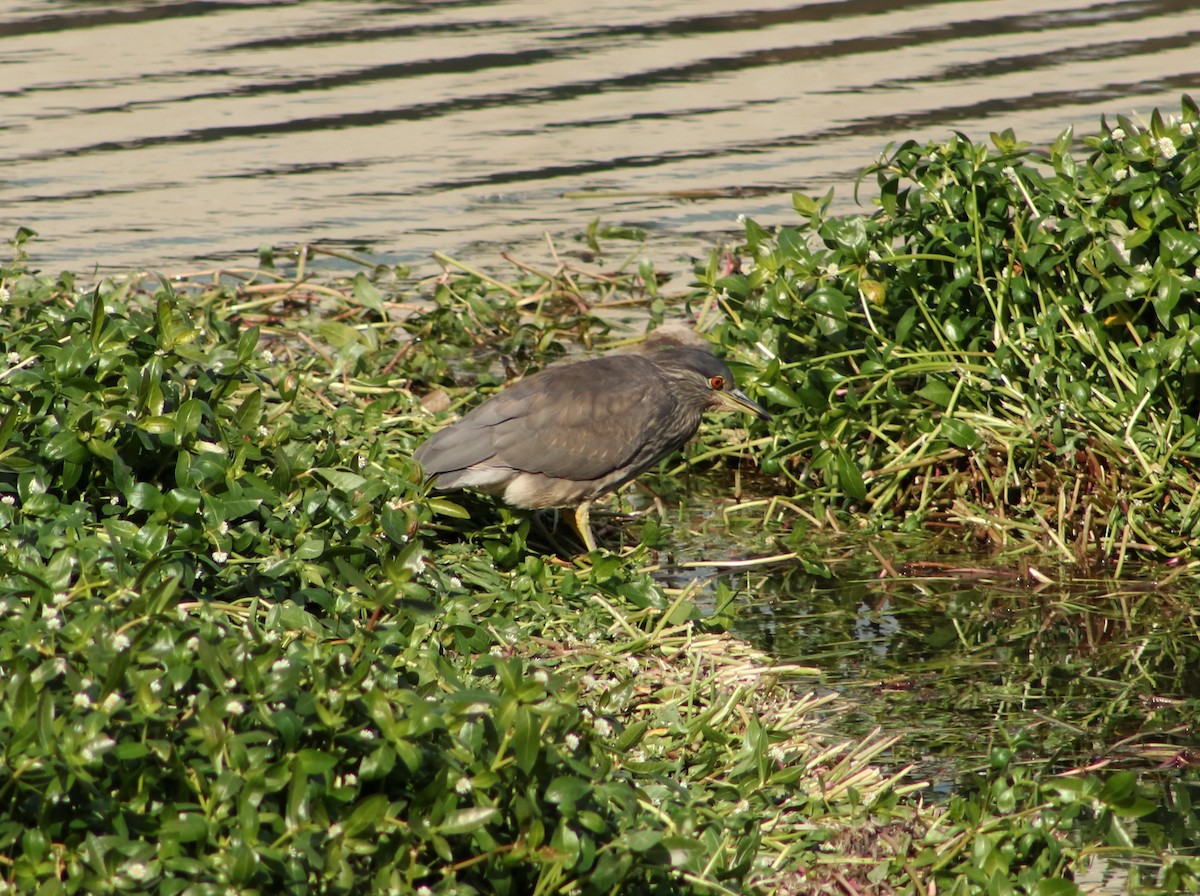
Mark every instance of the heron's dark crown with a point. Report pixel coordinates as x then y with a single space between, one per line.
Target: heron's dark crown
685 362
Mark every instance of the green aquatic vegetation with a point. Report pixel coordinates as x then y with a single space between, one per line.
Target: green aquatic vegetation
238 655
1056 718
244 649
1010 344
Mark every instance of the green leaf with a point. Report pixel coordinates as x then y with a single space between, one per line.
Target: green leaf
565 791
367 294
960 434
446 507
367 815
65 446
526 739
247 343
936 392
850 476
188 417
464 821
341 479
805 205
641 841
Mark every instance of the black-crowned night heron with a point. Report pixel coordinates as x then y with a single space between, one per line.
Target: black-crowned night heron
576 431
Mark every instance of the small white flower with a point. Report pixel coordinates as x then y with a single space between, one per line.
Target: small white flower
60 598
96 747
111 702
367 734
50 617
602 727
219 557
82 700
464 785
156 687
833 269
741 220
572 741
9 500
1120 174
541 677
1187 128
1166 147
1010 173
14 358
234 707
136 870
1118 134
230 684
223 528
114 500
120 642
5 295
634 664
193 644
281 665
263 432
497 650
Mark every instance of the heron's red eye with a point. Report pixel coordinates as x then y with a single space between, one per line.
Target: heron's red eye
716 383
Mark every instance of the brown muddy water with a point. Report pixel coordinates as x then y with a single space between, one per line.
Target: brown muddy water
176 134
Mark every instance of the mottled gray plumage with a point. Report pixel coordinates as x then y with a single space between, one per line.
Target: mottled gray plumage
574 432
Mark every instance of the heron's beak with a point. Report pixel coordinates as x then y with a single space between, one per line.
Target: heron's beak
736 398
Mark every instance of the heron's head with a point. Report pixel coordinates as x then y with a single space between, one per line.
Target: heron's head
705 380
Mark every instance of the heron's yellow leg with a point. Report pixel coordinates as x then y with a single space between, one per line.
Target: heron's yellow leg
583 524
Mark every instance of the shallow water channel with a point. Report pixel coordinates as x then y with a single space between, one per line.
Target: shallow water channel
958 650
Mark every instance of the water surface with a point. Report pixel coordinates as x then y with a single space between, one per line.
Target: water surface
175 134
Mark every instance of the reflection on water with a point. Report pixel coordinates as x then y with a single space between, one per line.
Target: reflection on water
970 656
163 133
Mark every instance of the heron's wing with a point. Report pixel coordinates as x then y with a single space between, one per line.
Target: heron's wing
585 421
579 421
